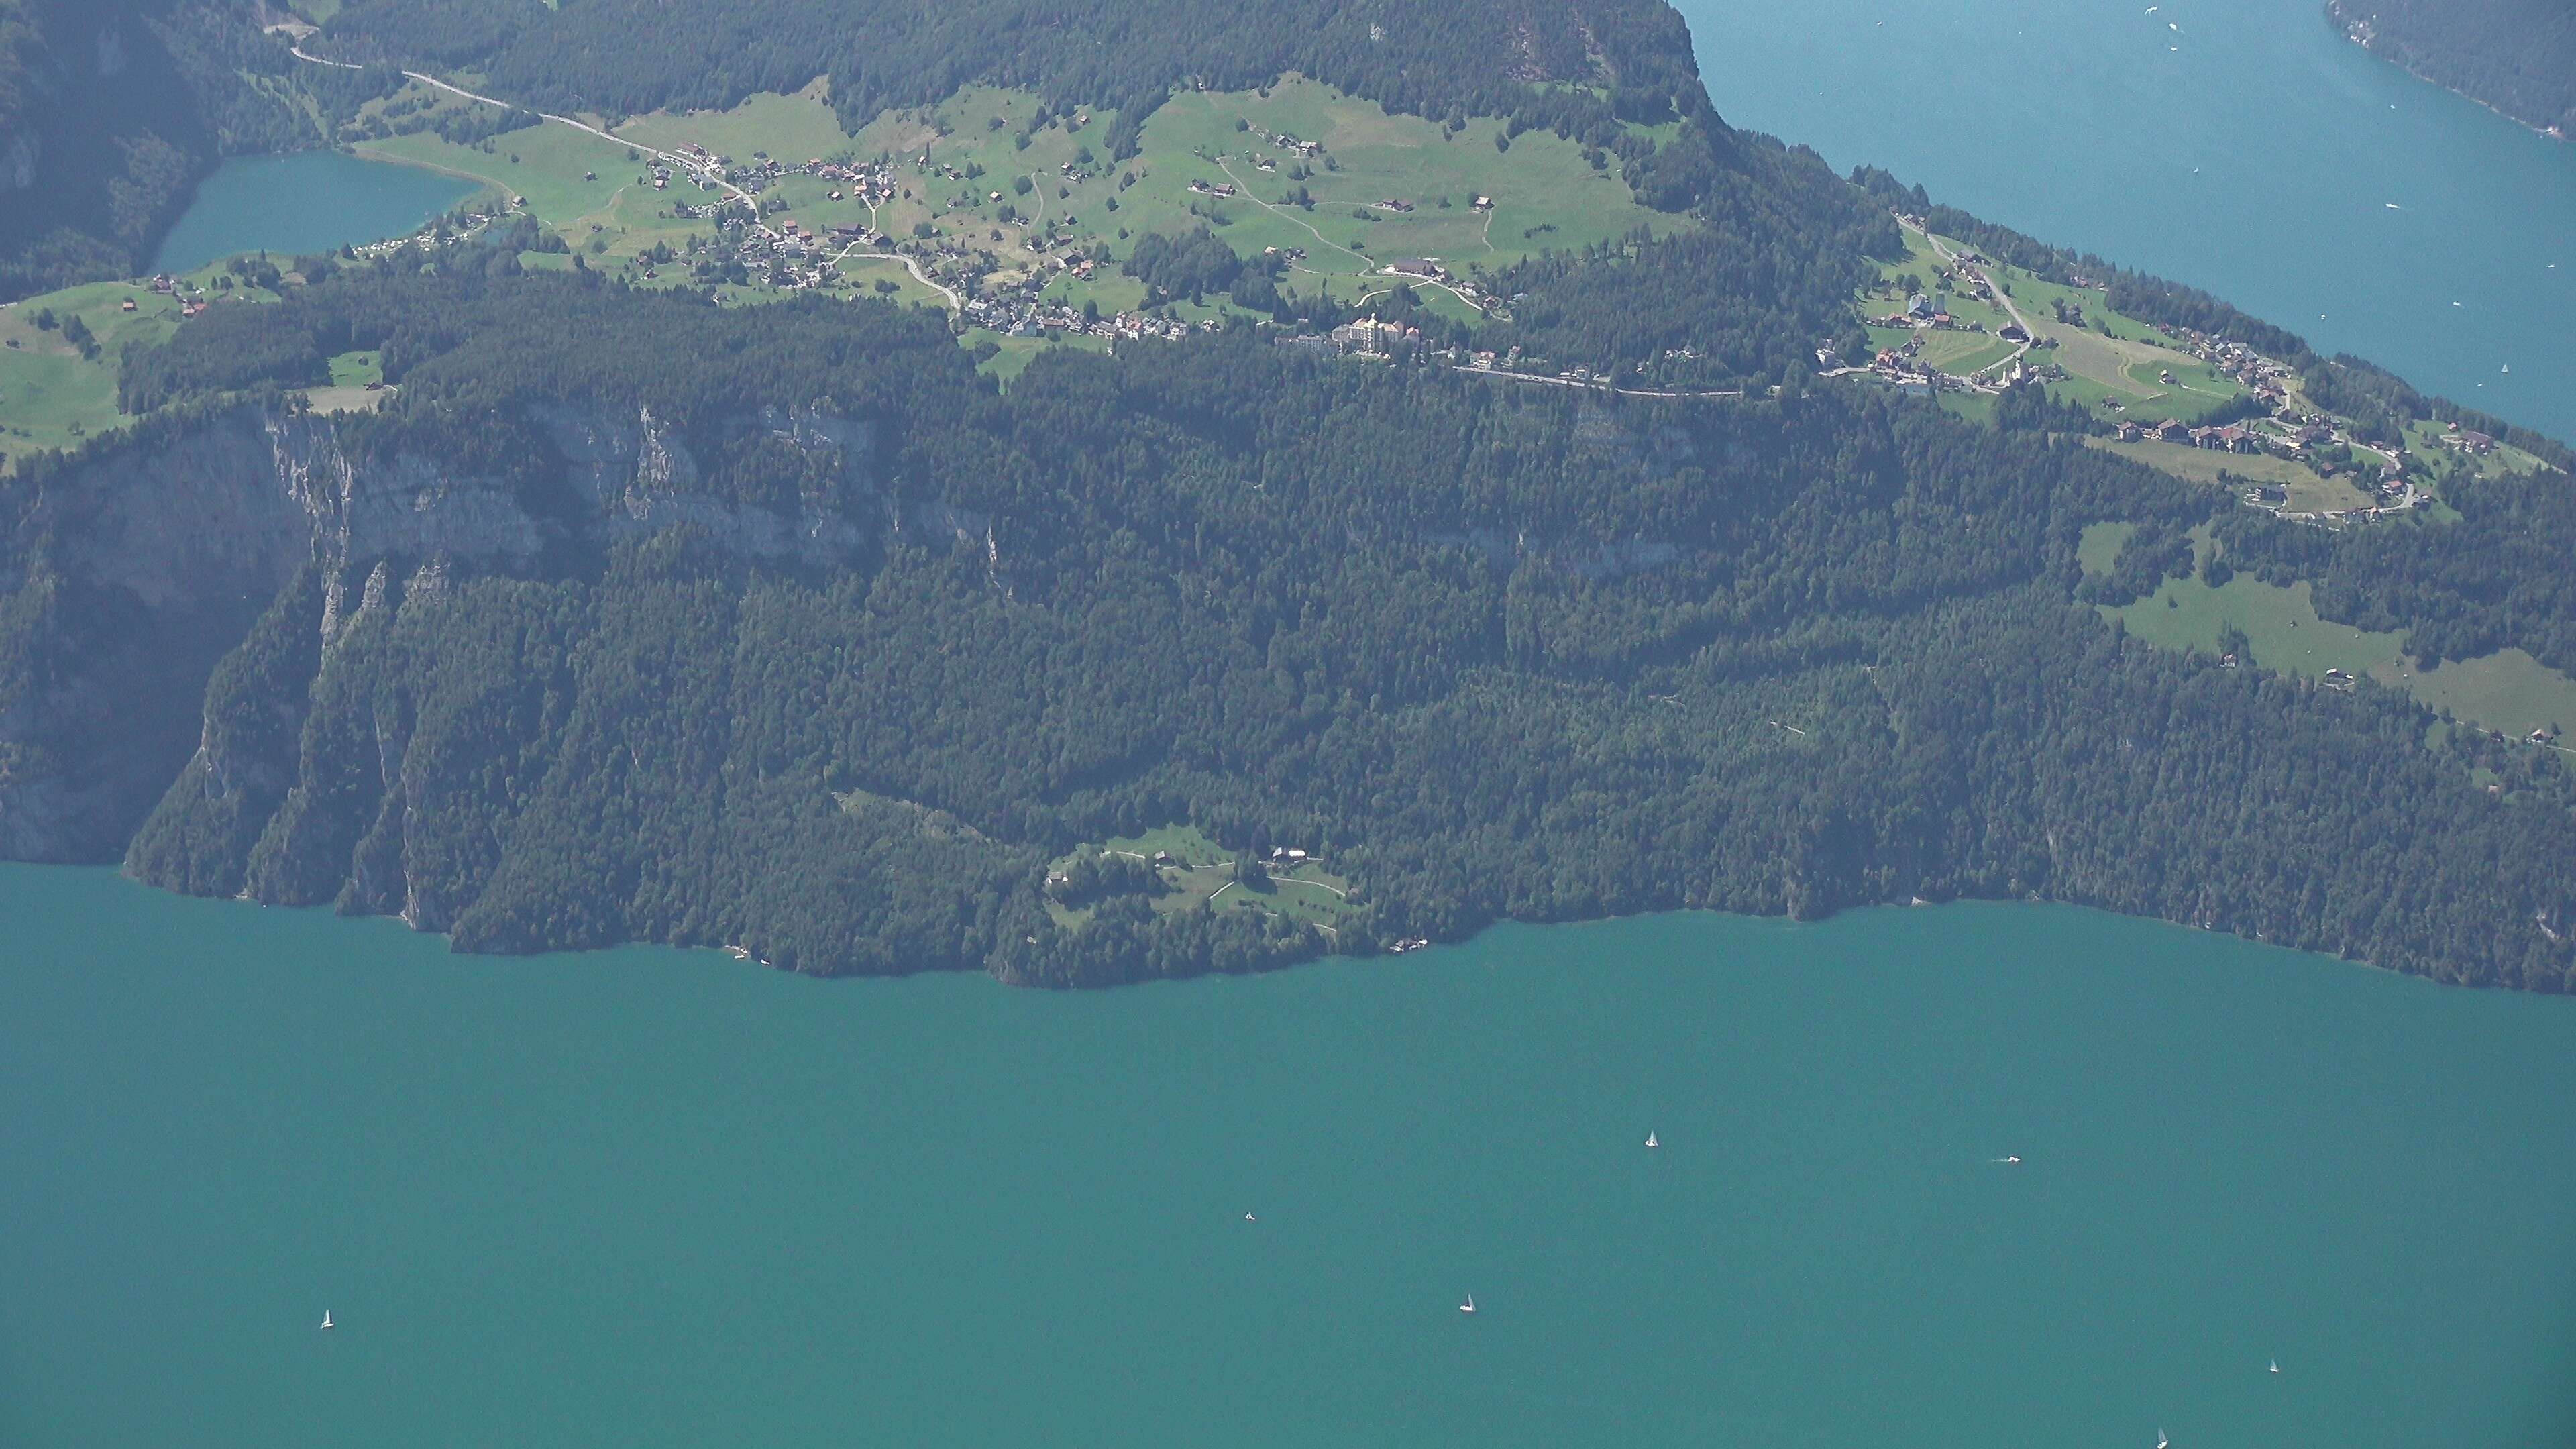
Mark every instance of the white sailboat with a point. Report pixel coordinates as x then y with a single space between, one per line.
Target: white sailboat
1469 1306
326 1318
2276 1365
2161 1441
1651 1142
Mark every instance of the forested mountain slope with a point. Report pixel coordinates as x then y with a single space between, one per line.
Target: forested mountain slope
784 627
798 635
2518 56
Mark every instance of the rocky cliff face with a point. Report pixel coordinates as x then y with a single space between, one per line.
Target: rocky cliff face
135 572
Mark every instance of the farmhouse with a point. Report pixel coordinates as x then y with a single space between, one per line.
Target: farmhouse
2476 444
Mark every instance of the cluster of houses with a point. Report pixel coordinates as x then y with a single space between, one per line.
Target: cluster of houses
1372 337
1032 317
2232 438
189 305
1285 142
2268 380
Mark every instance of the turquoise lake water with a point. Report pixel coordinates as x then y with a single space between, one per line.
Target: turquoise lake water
2249 150
645 1197
306 201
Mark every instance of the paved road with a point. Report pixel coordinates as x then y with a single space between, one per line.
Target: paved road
1586 386
2002 297
673 158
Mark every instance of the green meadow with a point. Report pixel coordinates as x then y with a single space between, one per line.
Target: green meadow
2308 492
51 396
1201 873
2508 691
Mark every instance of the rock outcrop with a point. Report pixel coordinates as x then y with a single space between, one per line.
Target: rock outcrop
135 570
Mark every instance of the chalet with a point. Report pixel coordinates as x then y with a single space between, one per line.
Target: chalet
1417 267
1919 306
2171 430
2312 435
2129 432
2340 679
1396 203
2475 444
2013 332
1484 203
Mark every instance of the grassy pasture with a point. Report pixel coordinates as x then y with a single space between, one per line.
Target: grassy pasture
1034 194
1201 873
2308 492
1963 353
2097 550
2508 691
793 129
551 163
53 397
2280 625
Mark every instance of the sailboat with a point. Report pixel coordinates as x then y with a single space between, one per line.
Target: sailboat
2276 1365
1469 1306
326 1318
2161 1441
1650 1140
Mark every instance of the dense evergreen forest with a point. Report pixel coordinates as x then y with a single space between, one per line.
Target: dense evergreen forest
841 644
2518 56
632 616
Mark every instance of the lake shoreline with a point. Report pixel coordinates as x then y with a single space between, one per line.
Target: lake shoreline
2360 34
1958 1177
